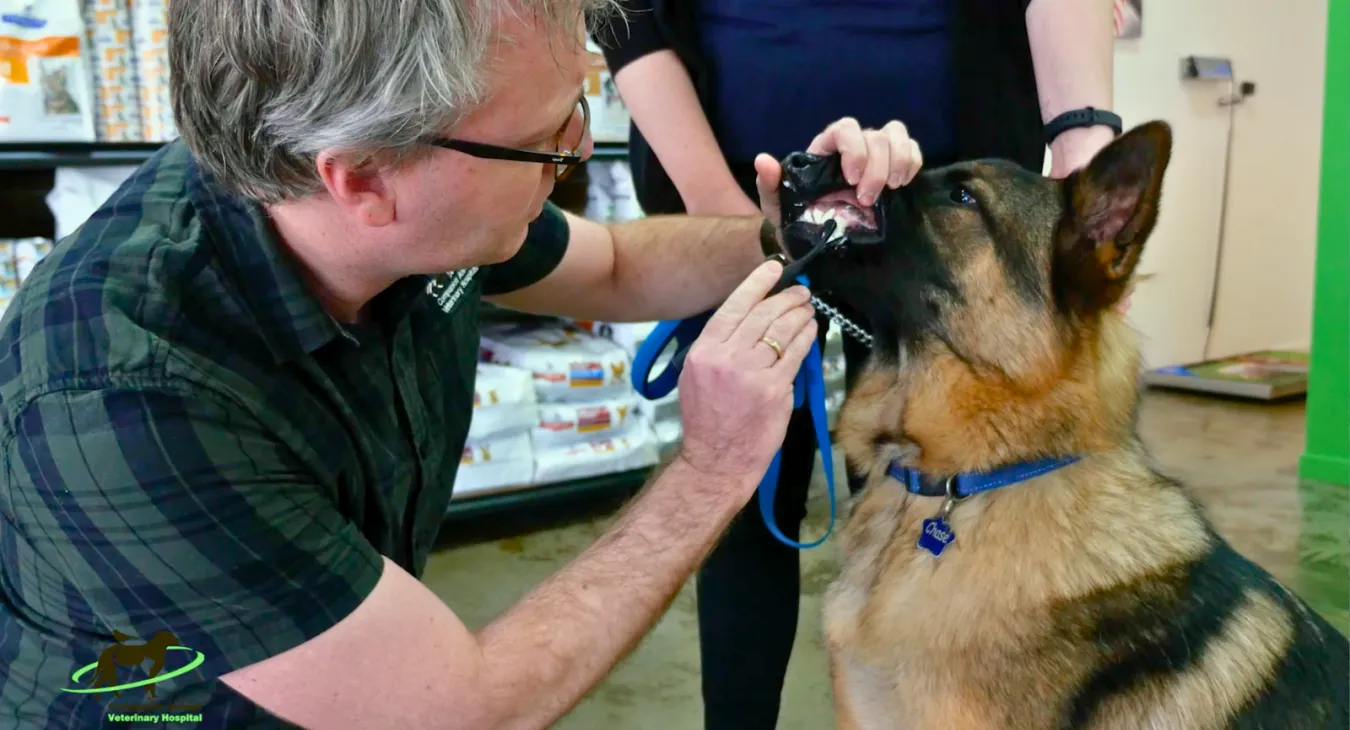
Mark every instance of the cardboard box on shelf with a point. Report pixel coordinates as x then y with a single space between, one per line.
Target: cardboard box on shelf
113 62
150 25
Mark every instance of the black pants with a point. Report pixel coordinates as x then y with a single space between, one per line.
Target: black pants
749 588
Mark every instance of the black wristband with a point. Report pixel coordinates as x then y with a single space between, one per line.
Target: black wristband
1085 117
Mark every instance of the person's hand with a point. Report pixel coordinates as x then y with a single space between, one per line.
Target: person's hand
1074 148
735 391
872 159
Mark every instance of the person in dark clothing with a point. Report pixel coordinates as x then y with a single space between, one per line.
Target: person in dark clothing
712 83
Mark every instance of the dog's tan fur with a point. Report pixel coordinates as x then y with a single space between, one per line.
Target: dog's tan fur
997 632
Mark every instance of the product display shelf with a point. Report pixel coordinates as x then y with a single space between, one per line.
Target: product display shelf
539 494
49 155
536 496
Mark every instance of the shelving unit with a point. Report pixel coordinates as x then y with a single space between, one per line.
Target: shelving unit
26 173
541 495
48 156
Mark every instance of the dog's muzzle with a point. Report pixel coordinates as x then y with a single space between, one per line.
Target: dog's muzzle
813 193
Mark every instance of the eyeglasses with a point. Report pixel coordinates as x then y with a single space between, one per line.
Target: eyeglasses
567 144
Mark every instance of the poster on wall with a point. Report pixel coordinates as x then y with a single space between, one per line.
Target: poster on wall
1129 16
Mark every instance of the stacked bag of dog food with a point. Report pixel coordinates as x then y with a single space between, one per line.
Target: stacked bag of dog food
588 417
113 61
150 24
498 454
663 414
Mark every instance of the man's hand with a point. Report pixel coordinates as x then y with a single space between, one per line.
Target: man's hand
872 159
735 391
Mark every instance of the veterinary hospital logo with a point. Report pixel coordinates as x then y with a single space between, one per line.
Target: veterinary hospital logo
157 650
448 288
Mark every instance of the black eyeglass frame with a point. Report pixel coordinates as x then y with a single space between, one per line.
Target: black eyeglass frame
565 161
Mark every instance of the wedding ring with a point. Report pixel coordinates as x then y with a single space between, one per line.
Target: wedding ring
777 348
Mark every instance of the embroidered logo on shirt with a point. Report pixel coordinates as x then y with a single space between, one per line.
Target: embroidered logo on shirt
448 288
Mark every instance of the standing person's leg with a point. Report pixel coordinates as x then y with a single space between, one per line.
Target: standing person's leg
748 589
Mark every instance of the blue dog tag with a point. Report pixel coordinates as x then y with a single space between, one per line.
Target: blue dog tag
936 536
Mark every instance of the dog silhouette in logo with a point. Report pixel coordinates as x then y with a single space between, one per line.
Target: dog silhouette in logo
132 655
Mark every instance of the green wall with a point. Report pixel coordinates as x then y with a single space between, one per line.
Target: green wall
1327 458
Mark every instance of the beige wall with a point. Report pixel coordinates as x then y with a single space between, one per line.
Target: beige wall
1266 273
1265 282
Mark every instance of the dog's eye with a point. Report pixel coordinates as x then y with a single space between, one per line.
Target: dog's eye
962 196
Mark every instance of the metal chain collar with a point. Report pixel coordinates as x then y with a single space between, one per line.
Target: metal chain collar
858 333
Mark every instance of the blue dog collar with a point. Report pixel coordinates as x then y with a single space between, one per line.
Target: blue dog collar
808 386
966 484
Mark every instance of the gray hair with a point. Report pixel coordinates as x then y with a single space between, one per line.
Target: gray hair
260 87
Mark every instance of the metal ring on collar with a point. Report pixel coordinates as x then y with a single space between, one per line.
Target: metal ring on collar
951 490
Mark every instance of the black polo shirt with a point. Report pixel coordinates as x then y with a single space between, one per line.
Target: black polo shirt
193 445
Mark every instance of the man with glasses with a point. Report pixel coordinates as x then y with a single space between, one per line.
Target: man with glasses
234 401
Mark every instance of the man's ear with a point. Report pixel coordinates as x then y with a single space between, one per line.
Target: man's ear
1110 208
360 190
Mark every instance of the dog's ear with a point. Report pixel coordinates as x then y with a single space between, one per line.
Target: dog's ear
1110 208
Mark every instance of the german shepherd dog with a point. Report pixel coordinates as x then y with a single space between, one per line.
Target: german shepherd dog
1090 593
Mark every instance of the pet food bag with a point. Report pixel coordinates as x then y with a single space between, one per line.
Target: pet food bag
46 93
561 424
503 402
113 58
150 37
636 448
505 462
568 364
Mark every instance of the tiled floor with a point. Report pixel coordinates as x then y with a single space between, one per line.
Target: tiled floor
1239 458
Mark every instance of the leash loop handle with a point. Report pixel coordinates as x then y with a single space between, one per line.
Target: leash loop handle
808 386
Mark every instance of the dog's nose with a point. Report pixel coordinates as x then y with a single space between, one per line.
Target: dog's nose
798 163
804 171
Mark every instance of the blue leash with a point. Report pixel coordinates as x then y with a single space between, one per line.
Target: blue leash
809 385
